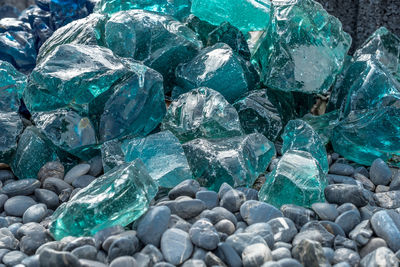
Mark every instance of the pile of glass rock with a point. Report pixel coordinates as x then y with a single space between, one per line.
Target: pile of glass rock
209 90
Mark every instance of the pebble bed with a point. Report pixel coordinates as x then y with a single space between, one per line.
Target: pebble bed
359 225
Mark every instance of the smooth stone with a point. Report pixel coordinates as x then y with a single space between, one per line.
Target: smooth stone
14 227
30 243
329 254
240 241
340 179
316 232
388 200
333 228
283 229
6 175
281 253
35 213
343 193
325 211
56 185
90 263
255 255
250 193
255 211
310 253
13 258
210 198
348 255
380 173
229 255
153 224
367 183
23 187
289 263
31 261
131 235
380 257
123 246
395 184
76 171
342 242
78 242
233 200
105 233
47 197
264 230
386 224
153 253
179 223
176 246
7 239
346 207
51 258
3 199
194 263
299 215
204 235
85 252
51 169
142 259
83 181
348 220
225 226
188 208
16 206
96 166
213 260
362 233
186 188
341 169
29 229
382 188
373 244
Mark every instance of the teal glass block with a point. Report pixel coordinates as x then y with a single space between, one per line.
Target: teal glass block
12 84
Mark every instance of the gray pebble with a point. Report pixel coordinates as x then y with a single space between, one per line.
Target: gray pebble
6 175
223 189
329 254
217 214
188 208
325 211
344 193
340 179
240 241
210 198
255 211
250 193
348 220
56 185
367 183
7 239
29 229
85 252
299 215
310 253
225 226
213 260
23 187
51 169
346 207
264 230
30 243
90 263
380 257
16 206
283 229
35 213
373 244
163 264
343 242
362 233
199 253
153 224
229 255
185 188
341 169
47 197
154 254
281 253
142 259
194 263
32 261
316 233
76 171
176 246
103 234
388 200
3 199
382 188
380 173
126 234
52 258
203 234
255 255
13 258
14 228
177 222
395 184
232 200
123 246
386 224
83 181
78 242
348 255
96 166
289 263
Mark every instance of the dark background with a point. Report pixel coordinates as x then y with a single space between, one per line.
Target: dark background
360 18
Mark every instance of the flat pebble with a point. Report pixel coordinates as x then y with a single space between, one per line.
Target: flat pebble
299 215
388 200
76 171
380 173
229 255
16 206
142 259
31 261
47 197
344 193
341 169
153 253
348 220
177 222
255 211
153 224
30 243
90 263
264 230
289 263
340 179
210 198
176 246
386 224
188 208
204 235
35 213
186 188
325 211
85 252
7 239
373 244
83 181
367 183
232 200
194 263
13 258
281 253
225 226
23 187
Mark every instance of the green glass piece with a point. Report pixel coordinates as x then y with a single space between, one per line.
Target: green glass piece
11 127
136 106
72 75
88 31
68 131
364 136
385 46
201 27
32 153
157 40
303 49
163 156
119 197
12 84
176 8
258 114
297 179
220 68
201 112
299 135
249 15
237 160
112 154
323 124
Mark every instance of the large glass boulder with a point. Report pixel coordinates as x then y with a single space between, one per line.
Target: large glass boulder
88 31
303 49
72 75
297 179
202 112
178 9
248 15
364 136
220 68
257 113
68 131
118 197
299 135
33 151
323 124
137 105
12 84
237 160
163 156
10 128
159 41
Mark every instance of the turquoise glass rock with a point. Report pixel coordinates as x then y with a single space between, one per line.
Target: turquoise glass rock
88 31
163 156
11 127
323 124
33 151
176 8
299 135
68 131
385 47
204 113
12 84
136 106
297 179
112 154
118 197
303 49
220 68
237 160
249 15
159 41
258 114
72 75
364 136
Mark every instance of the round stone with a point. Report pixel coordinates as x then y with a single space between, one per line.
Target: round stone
204 235
341 169
76 171
348 220
281 253
51 169
176 246
225 226
16 206
264 230
189 208
85 252
13 258
186 188
56 185
47 197
346 207
83 181
210 198
325 211
255 211
124 261
380 173
386 224
123 246
283 229
142 259
255 255
345 193
23 187
153 224
232 200
35 213
32 261
289 263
